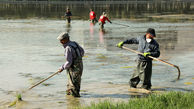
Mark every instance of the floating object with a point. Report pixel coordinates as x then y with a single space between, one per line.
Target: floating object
127 67
188 83
12 103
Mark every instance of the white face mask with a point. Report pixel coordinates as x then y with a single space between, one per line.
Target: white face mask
148 40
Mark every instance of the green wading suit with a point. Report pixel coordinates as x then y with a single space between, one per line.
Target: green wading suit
144 64
74 67
74 77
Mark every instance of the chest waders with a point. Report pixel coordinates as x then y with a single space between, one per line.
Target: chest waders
68 19
101 25
143 73
74 74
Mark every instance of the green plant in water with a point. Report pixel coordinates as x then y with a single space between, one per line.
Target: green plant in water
19 97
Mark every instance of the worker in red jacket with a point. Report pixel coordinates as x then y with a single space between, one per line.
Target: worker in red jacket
93 16
102 20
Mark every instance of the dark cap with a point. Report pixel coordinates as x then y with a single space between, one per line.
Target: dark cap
151 31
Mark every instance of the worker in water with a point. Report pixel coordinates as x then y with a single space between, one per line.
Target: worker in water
102 20
68 15
73 65
93 16
149 47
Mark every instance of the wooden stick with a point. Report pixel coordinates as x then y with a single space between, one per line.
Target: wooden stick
121 24
43 80
179 73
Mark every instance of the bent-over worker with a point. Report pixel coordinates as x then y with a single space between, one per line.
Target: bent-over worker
102 20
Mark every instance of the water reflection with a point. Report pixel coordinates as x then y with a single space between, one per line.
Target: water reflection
101 36
68 27
72 102
168 40
92 30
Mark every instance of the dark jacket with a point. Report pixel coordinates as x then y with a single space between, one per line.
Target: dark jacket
68 14
143 47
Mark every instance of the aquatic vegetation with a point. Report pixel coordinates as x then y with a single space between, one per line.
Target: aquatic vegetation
19 96
101 56
12 103
46 84
85 56
127 67
26 74
61 102
170 100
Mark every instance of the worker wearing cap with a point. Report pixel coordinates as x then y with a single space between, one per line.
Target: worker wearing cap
149 47
102 20
73 65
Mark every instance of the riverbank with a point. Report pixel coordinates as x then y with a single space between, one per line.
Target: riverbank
91 2
170 100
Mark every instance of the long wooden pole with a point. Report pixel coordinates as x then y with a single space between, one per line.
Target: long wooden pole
179 72
121 24
43 80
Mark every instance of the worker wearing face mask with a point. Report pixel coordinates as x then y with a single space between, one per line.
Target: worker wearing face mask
149 47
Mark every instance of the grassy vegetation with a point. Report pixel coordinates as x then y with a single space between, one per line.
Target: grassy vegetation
170 100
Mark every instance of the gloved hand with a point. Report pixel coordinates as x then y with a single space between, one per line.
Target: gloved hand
110 22
146 54
120 44
60 70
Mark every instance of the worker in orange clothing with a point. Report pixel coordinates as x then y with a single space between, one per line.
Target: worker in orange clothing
102 20
93 16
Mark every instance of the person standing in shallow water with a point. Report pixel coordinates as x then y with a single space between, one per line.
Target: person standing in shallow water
149 47
68 15
73 65
93 16
102 20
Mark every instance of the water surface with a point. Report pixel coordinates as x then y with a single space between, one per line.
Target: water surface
29 52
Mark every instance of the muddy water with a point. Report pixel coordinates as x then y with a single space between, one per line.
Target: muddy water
30 52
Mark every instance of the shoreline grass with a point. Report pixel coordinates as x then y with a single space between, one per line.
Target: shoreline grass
169 100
